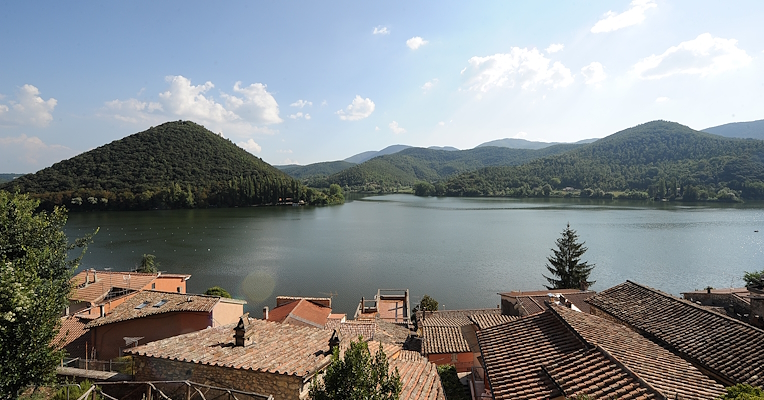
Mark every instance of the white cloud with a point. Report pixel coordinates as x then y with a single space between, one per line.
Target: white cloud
429 85
594 73
243 112
250 146
381 30
416 42
396 129
28 108
704 55
441 123
301 103
324 103
23 153
613 21
360 108
299 115
376 128
528 68
661 99
520 135
285 151
554 48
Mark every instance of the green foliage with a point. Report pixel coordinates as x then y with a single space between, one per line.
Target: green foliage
358 375
75 392
174 165
8 177
658 158
454 390
567 269
428 304
34 289
743 391
317 170
218 291
413 165
148 264
754 279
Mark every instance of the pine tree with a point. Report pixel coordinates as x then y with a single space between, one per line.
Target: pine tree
567 269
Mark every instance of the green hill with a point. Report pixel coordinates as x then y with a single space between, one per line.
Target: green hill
9 177
752 129
177 164
413 165
321 169
652 160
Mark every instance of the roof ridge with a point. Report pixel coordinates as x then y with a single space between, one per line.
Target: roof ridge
569 327
628 370
687 302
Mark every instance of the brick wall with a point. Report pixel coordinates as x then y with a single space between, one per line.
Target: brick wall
281 387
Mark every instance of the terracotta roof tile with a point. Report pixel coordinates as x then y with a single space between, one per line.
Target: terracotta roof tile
72 336
276 348
419 380
151 302
104 281
725 346
526 359
488 320
533 302
444 335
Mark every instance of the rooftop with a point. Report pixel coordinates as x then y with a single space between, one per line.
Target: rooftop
301 312
728 348
419 379
150 302
533 302
93 286
275 348
72 336
483 321
564 352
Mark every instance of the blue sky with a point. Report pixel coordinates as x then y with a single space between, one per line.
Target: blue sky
303 82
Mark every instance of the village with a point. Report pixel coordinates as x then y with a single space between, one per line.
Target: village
141 335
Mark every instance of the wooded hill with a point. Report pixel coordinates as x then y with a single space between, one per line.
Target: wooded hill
315 170
657 159
413 165
173 165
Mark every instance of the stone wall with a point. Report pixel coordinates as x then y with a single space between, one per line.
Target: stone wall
757 310
281 387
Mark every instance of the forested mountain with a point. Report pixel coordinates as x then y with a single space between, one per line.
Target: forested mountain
752 129
514 143
368 155
321 169
657 159
174 165
412 165
8 177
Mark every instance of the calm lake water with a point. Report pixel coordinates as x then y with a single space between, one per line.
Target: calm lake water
460 251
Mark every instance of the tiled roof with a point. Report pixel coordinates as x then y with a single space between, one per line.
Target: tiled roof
533 302
444 335
409 355
176 302
731 349
388 332
459 314
419 380
276 348
352 329
104 281
488 320
72 336
301 312
446 321
515 352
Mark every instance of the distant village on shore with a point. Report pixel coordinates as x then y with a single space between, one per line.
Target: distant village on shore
141 335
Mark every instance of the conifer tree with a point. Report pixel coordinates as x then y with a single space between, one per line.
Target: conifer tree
565 265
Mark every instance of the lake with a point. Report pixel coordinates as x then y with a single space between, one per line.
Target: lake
460 251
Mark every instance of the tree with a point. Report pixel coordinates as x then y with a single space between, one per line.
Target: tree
357 375
567 269
743 391
218 291
428 304
754 279
34 291
148 264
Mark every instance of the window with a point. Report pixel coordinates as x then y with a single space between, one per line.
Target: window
144 304
178 289
161 303
153 285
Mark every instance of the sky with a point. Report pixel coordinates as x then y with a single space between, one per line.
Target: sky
301 82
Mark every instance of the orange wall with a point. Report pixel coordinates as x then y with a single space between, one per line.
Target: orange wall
226 313
168 284
108 339
464 361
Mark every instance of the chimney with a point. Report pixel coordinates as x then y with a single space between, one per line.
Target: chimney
86 277
265 313
102 310
242 331
94 274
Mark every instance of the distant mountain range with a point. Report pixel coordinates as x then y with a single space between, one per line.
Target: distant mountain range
526 144
752 129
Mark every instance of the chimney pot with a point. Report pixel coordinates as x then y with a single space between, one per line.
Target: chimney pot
102 310
265 313
240 331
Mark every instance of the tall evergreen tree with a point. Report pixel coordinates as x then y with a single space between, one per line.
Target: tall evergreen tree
565 265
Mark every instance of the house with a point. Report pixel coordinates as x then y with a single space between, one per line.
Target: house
725 348
391 305
151 315
560 352
419 378
301 311
519 303
96 293
252 355
73 337
734 302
